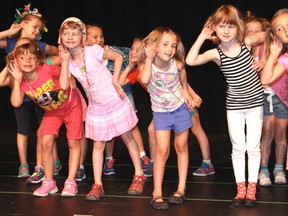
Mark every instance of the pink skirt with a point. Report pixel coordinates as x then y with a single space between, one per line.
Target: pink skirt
103 123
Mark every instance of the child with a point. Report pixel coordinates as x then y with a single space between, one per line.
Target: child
274 117
244 101
276 67
109 114
130 75
95 35
162 71
40 82
29 23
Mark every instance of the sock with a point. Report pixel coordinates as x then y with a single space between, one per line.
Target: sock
251 191
142 154
81 166
208 161
278 167
109 158
241 190
264 168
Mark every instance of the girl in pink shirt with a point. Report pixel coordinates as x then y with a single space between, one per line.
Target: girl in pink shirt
109 114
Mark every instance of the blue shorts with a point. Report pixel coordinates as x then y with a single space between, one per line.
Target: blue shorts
178 120
279 109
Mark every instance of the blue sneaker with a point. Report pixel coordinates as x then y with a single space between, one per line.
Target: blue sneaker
108 168
204 170
80 175
37 177
147 166
57 167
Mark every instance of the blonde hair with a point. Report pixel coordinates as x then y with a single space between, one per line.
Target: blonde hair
30 17
251 17
230 15
155 37
271 32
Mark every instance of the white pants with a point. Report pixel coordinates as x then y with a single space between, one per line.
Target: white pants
245 139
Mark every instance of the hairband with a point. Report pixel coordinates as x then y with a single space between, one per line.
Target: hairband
26 10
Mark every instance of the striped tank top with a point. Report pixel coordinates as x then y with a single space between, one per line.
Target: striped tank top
244 89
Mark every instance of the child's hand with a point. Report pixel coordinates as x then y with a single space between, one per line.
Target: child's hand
118 89
15 71
14 28
63 53
276 46
150 51
257 65
207 32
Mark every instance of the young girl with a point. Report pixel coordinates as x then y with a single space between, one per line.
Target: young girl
244 100
95 35
277 66
275 69
162 71
30 24
274 122
130 75
109 114
40 82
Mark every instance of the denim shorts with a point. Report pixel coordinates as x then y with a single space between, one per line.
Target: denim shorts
178 120
279 109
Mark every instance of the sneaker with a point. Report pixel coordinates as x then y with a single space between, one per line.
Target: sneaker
37 177
264 178
57 167
80 175
204 170
47 187
70 188
279 177
95 193
23 171
147 166
109 167
137 185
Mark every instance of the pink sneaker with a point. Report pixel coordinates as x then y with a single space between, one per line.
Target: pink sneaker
47 187
70 188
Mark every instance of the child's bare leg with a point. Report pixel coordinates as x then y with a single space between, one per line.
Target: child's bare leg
74 158
152 140
47 155
97 160
181 148
133 149
162 153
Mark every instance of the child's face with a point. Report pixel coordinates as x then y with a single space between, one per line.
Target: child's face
280 28
134 54
167 47
31 28
95 36
27 62
71 38
226 32
253 27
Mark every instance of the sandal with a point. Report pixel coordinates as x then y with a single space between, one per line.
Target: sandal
177 199
159 205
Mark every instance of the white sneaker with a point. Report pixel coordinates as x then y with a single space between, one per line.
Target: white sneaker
264 178
279 177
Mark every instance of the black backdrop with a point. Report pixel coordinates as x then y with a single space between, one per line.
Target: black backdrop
122 20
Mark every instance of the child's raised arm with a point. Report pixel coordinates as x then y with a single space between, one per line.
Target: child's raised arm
17 95
5 77
65 75
273 69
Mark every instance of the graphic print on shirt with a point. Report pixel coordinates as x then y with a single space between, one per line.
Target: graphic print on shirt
45 97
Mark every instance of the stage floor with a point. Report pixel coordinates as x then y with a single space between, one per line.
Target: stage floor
207 196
